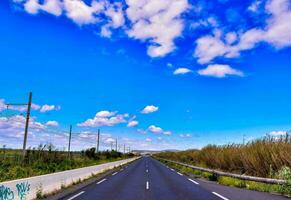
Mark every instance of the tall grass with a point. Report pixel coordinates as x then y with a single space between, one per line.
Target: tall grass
263 157
47 159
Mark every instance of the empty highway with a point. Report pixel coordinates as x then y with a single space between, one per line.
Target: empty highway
147 178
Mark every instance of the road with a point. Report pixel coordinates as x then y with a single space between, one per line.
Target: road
147 178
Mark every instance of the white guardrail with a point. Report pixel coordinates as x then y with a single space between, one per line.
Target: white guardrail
27 188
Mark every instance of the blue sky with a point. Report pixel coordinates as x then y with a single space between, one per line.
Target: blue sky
155 74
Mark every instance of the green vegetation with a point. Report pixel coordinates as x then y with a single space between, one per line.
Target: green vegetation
46 159
267 157
251 185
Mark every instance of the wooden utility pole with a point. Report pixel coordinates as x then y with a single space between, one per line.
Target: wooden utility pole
69 147
26 121
111 145
27 124
123 148
98 138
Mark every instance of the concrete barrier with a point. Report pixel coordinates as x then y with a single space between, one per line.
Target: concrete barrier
28 188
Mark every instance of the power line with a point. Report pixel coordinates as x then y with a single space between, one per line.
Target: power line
27 119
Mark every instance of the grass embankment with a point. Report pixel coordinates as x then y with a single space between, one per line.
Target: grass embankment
45 159
268 157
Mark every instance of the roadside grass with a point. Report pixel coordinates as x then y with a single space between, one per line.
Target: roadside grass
262 157
46 159
234 182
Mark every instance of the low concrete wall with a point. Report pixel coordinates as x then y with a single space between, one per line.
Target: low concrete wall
27 188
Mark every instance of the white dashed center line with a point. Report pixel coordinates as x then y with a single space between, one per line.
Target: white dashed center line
147 185
193 181
147 171
76 195
222 197
114 173
101 181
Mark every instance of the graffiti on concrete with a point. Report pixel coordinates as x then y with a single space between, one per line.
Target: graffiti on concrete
6 193
22 190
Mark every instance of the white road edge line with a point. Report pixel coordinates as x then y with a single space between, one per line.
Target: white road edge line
222 197
193 181
101 181
76 195
114 173
121 170
147 185
172 169
179 173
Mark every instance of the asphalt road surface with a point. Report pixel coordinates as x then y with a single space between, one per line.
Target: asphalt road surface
147 178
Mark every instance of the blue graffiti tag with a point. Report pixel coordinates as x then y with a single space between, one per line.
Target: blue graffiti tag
22 189
6 193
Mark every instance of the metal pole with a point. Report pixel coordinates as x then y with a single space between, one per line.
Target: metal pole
26 124
97 148
69 148
124 149
116 144
111 144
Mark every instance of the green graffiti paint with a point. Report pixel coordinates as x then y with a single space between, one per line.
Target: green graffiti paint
22 190
6 193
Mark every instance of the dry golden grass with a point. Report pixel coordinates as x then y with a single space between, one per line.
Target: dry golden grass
262 157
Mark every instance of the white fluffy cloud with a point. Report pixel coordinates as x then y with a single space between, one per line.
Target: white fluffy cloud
148 139
156 21
53 7
52 123
116 18
167 133
105 113
81 13
149 109
44 108
132 123
158 130
278 133
182 71
155 129
159 22
104 118
18 122
219 71
2 104
277 32
47 108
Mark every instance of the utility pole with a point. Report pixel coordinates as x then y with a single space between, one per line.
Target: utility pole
123 148
27 120
116 144
27 124
69 147
244 139
111 144
97 148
